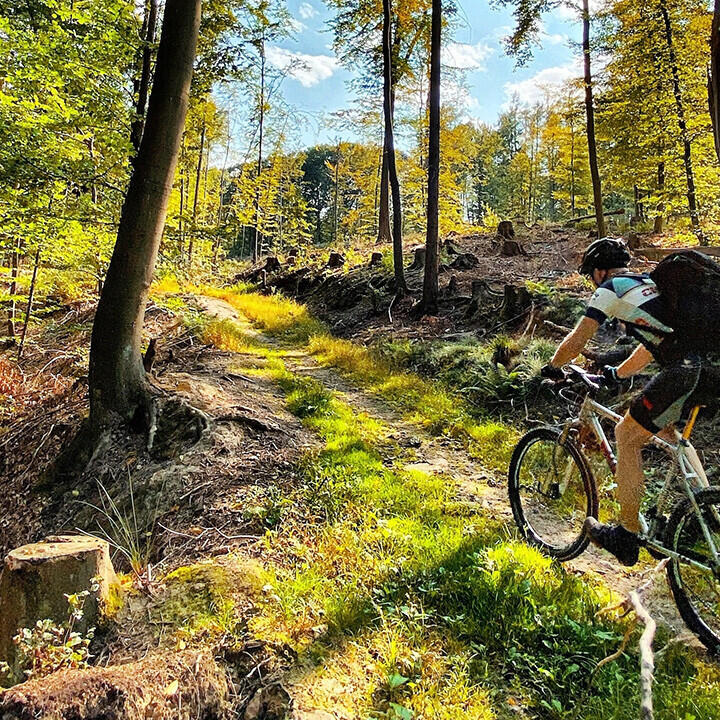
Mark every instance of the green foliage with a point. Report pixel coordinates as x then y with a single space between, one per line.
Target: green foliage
198 600
48 647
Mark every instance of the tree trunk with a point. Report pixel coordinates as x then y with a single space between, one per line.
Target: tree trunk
658 222
181 221
31 298
680 110
572 169
198 173
14 271
590 114
261 127
714 79
143 86
335 201
400 285
430 283
117 377
384 234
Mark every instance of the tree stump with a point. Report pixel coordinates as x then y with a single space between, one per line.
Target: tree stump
336 260
36 578
505 230
418 262
376 259
171 686
453 287
272 264
465 261
482 295
517 300
512 248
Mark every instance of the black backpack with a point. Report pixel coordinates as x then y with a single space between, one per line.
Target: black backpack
689 285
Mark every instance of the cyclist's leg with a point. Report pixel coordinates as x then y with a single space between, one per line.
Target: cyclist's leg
631 438
659 406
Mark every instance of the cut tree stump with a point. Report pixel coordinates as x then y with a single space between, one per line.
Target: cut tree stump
452 289
512 248
483 297
418 262
36 578
517 300
336 260
172 686
505 230
465 261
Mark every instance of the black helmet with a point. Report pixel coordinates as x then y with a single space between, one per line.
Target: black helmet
605 254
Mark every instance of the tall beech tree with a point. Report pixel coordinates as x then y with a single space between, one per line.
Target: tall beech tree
590 123
714 77
118 387
430 280
528 17
681 114
389 150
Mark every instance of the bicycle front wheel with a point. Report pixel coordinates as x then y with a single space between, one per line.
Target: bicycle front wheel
552 491
696 590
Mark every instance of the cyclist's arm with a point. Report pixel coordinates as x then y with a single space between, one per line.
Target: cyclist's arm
575 342
638 361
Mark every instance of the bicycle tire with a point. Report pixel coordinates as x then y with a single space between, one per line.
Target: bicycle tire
547 541
681 522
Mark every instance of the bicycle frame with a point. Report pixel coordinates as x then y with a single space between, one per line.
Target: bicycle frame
685 460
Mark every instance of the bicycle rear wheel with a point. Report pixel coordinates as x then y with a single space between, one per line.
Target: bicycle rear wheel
697 591
552 491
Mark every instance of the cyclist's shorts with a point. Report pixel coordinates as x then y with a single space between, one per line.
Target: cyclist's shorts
674 391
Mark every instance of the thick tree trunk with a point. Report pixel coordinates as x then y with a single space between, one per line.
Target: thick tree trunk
143 85
400 285
590 115
117 377
714 79
680 111
430 283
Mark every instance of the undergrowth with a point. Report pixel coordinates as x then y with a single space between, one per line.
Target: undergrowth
400 593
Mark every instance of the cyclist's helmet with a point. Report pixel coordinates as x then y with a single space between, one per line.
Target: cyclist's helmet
605 254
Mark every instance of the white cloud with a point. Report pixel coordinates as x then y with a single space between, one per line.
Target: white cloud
296 25
535 89
307 11
573 10
555 39
466 57
308 70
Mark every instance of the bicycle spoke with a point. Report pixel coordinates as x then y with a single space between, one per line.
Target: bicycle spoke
551 495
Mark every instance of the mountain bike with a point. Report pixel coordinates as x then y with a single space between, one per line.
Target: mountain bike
553 488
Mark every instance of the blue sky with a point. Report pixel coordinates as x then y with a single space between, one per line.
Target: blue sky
318 85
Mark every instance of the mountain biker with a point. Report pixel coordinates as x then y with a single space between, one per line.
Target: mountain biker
685 379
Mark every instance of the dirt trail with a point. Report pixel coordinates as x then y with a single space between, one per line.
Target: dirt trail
484 487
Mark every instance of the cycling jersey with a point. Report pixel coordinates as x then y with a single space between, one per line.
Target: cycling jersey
635 301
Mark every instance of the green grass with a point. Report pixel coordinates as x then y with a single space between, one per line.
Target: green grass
473 618
393 588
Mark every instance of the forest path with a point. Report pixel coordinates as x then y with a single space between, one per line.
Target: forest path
485 488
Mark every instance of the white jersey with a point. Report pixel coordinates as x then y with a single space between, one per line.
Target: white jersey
635 301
